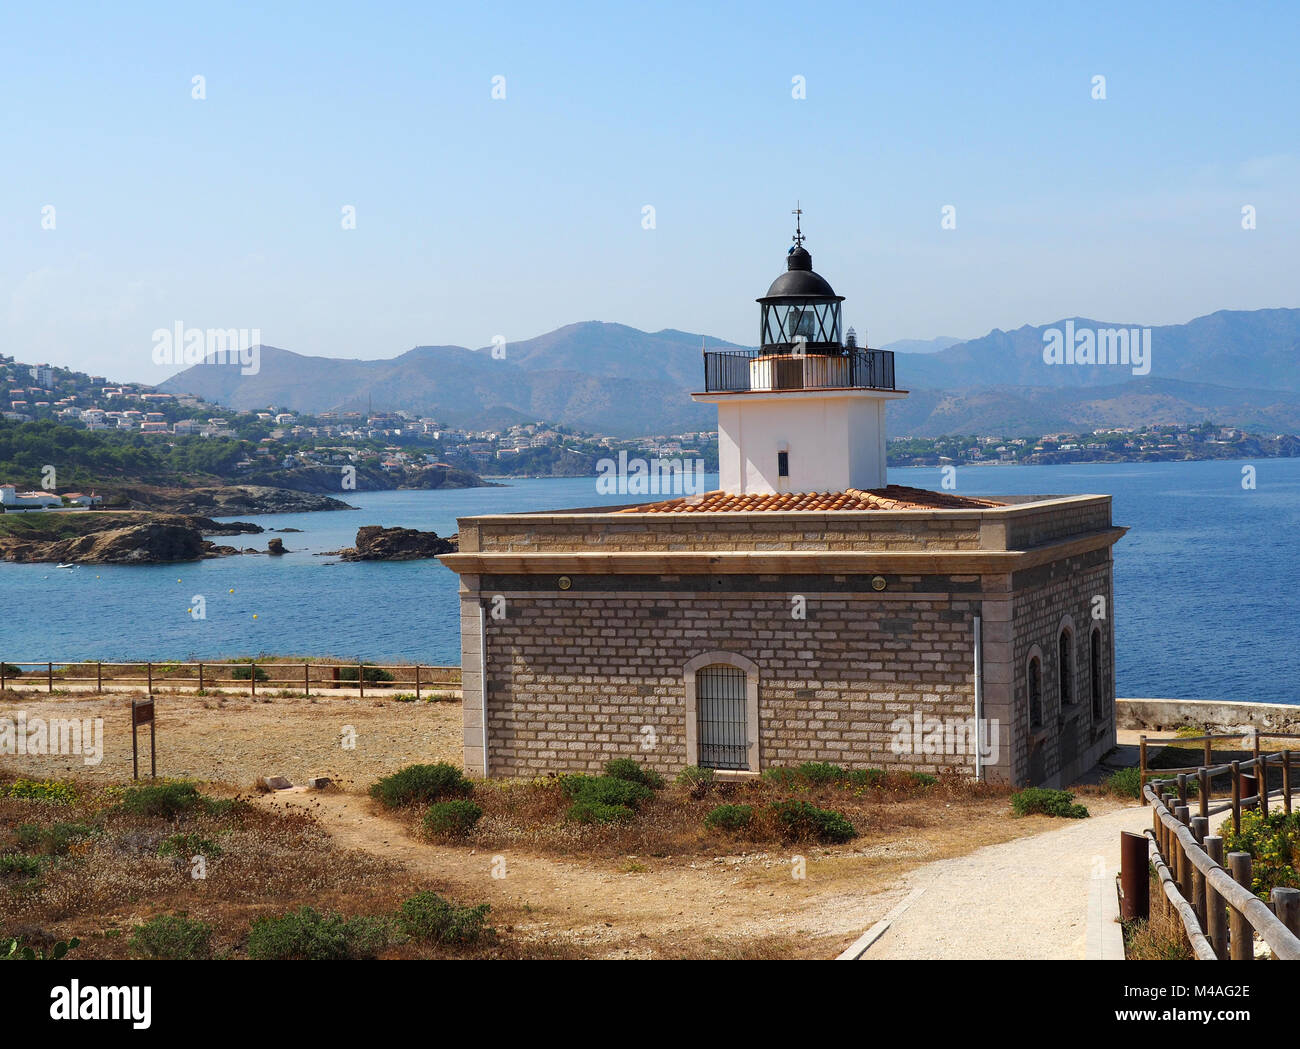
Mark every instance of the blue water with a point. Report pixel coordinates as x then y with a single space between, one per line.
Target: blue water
1207 594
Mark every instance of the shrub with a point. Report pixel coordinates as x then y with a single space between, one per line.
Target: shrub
780 776
1044 802
12 950
305 935
603 799
923 779
10 670
54 840
1126 783
41 790
248 672
867 777
730 817
819 773
452 819
173 937
800 819
429 918
165 800
597 812
634 772
694 776
371 674
606 790
421 784
183 846
16 863
1274 843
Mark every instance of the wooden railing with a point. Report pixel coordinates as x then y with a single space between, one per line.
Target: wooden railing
307 675
1219 911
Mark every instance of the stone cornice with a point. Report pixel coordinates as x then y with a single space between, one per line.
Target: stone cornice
781 562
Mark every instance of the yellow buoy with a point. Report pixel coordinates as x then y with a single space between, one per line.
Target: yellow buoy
254 615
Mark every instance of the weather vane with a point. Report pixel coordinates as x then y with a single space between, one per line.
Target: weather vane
798 233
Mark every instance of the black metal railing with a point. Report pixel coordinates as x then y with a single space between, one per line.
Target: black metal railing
741 371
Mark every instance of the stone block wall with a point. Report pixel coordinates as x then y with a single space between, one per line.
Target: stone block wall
576 679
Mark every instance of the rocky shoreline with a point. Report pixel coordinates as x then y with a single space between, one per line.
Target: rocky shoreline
223 501
108 538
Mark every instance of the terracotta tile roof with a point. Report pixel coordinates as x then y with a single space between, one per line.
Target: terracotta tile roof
892 497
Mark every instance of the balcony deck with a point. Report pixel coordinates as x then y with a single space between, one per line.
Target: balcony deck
748 371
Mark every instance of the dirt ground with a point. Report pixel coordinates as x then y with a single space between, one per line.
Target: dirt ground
232 739
808 902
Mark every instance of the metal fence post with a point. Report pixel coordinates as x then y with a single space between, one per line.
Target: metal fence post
1134 876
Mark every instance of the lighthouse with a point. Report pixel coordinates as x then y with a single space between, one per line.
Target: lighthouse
807 611
805 412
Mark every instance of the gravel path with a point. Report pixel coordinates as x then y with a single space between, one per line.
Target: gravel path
1027 898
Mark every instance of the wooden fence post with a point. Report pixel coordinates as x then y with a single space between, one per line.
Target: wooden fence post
99 677
200 677
1142 764
1209 746
1286 905
1242 935
1204 776
1236 797
1184 875
306 679
50 672
1200 826
361 678
1262 768
149 675
417 692
252 678
1286 782
1216 921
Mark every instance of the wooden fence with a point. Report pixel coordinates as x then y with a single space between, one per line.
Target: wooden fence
1218 909
249 674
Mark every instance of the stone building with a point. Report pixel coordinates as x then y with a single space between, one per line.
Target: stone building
805 611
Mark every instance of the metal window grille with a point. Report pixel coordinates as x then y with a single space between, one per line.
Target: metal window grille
1066 649
1096 675
1035 695
721 705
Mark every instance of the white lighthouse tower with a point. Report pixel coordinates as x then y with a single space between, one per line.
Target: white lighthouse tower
806 411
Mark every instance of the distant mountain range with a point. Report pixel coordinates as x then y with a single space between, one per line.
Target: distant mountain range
1234 367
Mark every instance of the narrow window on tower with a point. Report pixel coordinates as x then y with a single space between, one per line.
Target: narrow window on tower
783 464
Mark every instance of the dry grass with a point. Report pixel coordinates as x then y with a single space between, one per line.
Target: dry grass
531 815
1161 937
234 738
112 877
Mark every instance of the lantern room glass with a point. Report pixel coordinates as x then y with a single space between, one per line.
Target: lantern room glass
812 321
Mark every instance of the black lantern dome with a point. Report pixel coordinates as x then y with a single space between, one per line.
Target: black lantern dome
801 312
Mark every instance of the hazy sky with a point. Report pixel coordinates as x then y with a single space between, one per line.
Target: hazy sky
478 217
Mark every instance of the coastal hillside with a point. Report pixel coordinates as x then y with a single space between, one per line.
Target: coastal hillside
1241 368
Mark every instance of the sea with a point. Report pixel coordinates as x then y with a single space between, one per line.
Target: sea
1207 592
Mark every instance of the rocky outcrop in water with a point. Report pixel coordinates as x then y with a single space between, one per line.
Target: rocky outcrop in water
375 543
